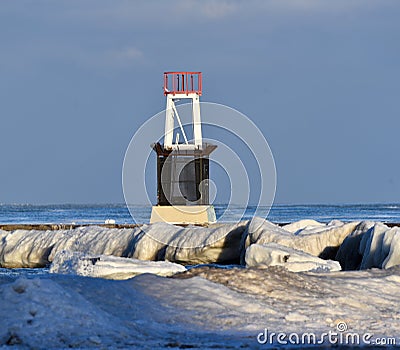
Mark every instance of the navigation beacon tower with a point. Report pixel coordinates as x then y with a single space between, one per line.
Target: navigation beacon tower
183 167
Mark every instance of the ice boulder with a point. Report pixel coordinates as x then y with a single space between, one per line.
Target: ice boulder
370 245
37 248
218 243
273 254
321 240
349 254
393 257
109 267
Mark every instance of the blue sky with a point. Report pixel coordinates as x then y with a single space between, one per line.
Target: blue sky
319 78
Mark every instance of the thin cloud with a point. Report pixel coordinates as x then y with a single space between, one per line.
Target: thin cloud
129 14
319 5
211 9
123 57
221 9
111 59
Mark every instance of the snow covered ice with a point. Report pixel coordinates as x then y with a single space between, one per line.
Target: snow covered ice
110 267
286 279
273 254
161 241
361 244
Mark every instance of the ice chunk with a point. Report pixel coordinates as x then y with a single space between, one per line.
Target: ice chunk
272 254
375 245
110 267
319 240
393 257
370 245
349 254
35 248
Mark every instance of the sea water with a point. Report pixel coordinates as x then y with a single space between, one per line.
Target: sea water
98 213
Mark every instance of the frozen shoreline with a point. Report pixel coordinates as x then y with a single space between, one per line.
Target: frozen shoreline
355 245
204 306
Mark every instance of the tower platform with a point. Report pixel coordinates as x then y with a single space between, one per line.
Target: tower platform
183 214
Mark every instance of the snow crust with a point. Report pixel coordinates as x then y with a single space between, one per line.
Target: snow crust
204 308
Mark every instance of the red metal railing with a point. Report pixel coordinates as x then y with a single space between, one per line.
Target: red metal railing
182 83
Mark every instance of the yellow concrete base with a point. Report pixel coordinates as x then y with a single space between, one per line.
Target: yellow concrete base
182 214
